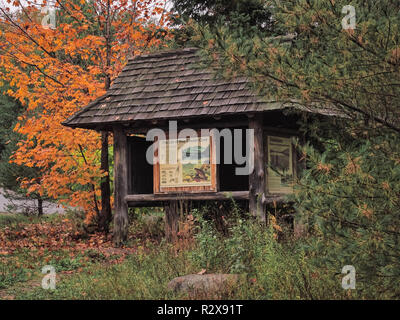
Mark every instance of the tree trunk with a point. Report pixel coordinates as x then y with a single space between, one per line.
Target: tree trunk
40 207
105 215
120 187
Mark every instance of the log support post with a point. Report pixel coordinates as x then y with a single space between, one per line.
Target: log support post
257 198
171 221
120 187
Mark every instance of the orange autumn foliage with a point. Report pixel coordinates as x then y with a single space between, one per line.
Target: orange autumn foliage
56 71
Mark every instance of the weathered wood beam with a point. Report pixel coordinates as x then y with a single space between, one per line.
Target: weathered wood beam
257 198
171 221
120 186
221 124
281 131
238 195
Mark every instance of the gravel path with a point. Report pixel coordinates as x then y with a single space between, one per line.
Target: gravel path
48 207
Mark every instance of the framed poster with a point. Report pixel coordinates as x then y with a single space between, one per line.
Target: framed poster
280 176
185 165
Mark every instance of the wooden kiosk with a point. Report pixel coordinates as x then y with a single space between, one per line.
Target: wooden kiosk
170 89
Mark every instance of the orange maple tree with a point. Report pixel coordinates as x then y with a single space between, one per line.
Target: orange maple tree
55 71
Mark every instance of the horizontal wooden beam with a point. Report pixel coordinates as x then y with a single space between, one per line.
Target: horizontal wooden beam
281 131
237 195
206 124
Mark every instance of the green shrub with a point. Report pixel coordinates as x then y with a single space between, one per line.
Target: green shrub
274 269
147 223
209 253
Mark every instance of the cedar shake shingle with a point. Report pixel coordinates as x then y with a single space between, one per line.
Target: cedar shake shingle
168 85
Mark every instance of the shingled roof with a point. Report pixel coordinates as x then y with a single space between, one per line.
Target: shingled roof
168 85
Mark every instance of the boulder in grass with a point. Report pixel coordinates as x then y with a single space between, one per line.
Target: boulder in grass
203 284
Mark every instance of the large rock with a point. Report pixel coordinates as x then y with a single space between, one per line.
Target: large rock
205 284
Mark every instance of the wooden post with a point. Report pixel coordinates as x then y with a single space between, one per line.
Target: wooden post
120 187
171 221
257 199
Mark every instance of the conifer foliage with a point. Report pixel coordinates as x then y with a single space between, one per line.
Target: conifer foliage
349 198
349 194
211 11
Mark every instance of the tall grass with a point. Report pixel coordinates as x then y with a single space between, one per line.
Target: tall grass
274 269
143 275
271 269
7 219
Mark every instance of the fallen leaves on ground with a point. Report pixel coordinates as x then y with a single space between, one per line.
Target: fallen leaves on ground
54 236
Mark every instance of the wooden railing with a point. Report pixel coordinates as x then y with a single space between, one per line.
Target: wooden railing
237 195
